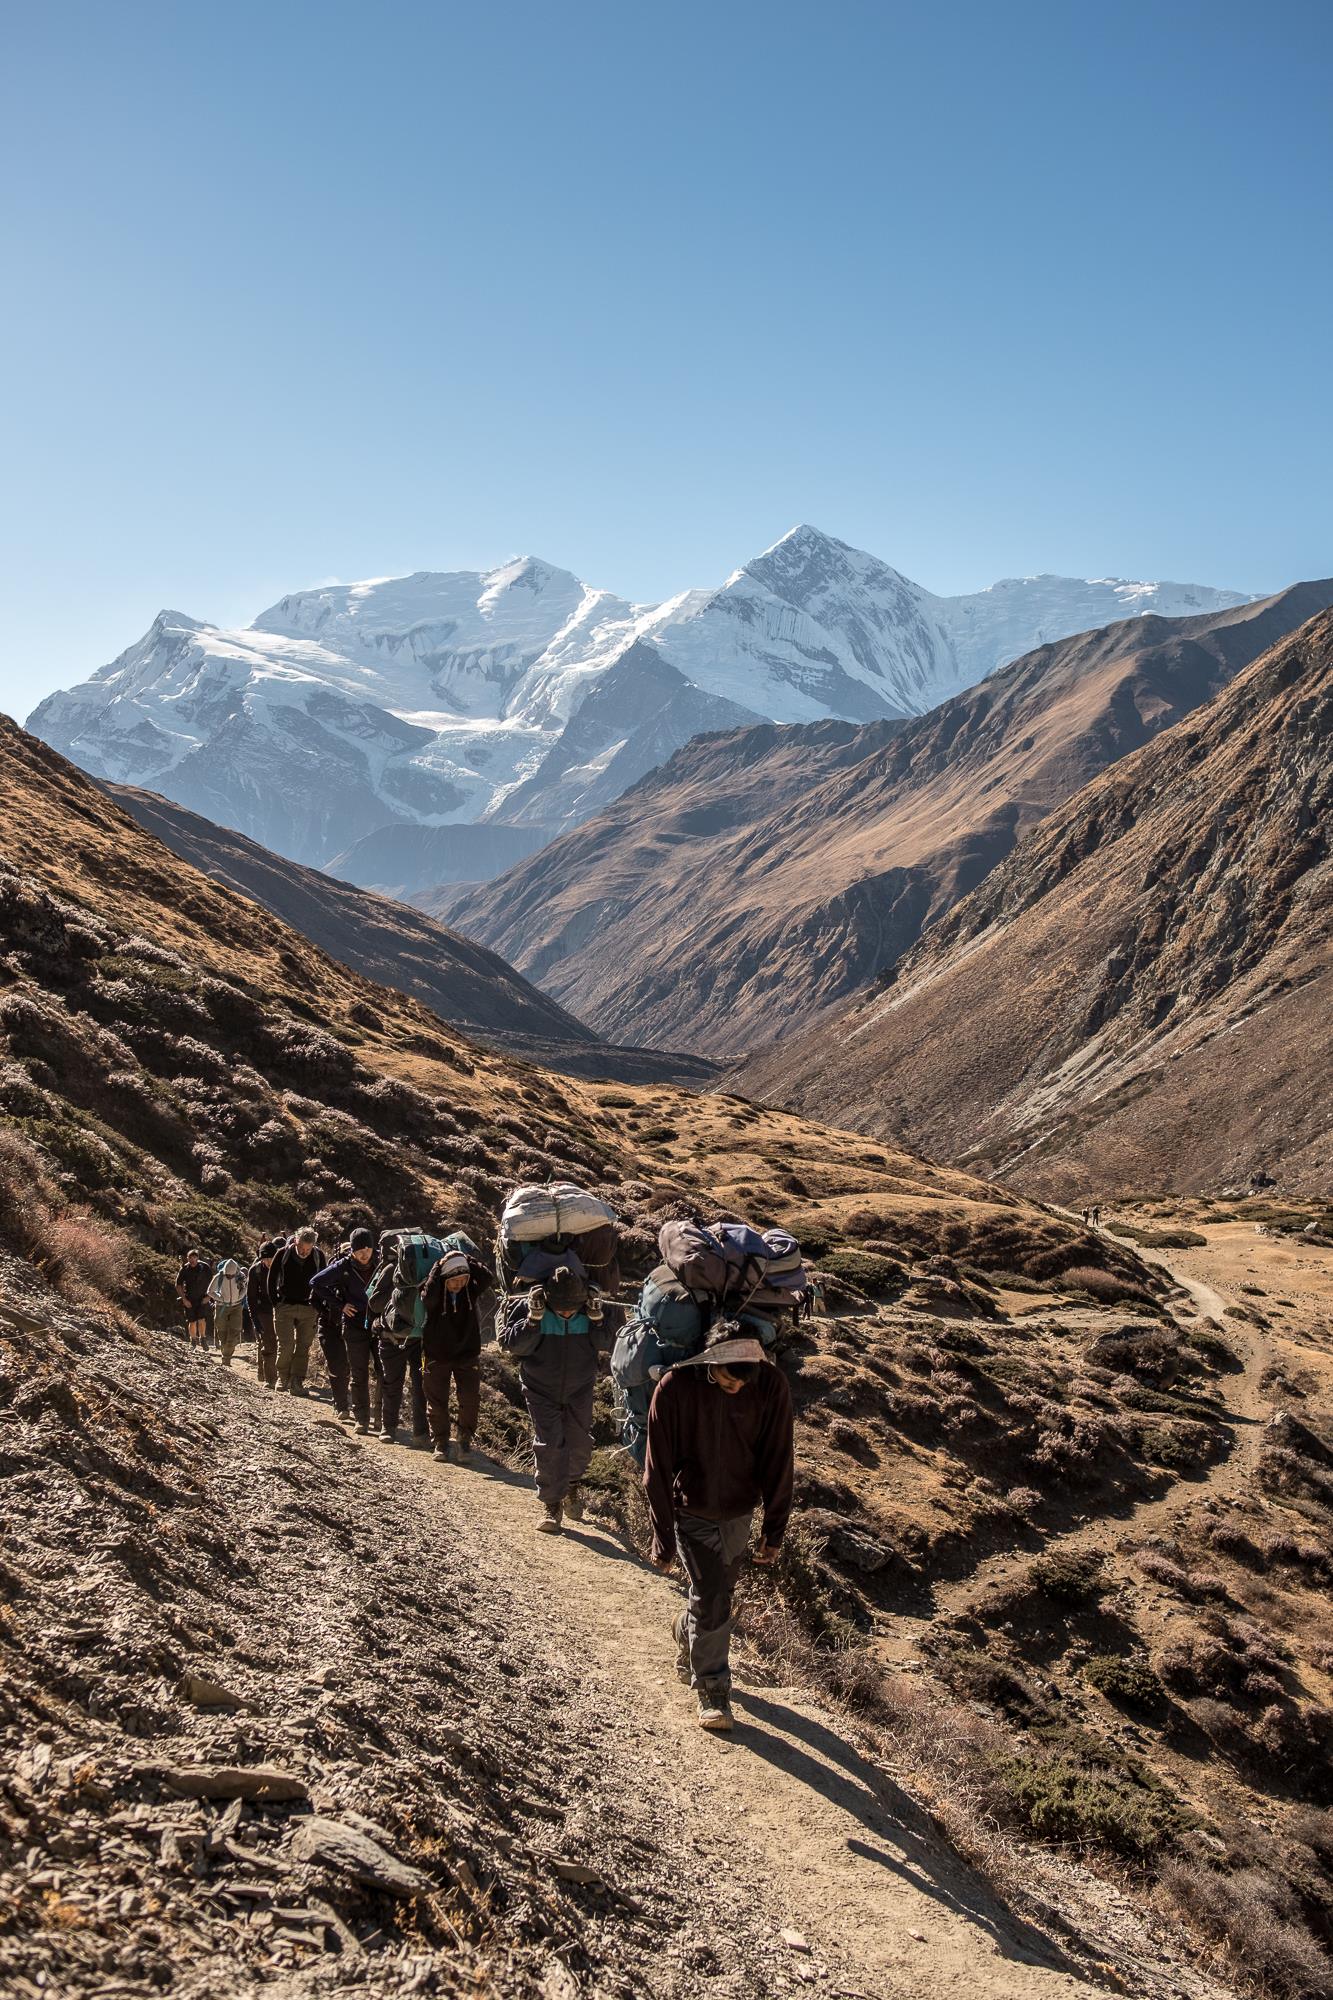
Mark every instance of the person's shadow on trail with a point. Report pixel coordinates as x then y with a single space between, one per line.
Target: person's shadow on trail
905 1841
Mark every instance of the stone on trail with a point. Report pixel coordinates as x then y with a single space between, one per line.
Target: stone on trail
228 1781
794 1941
200 1692
339 1846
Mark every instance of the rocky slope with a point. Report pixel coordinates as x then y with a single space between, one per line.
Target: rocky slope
349 719
1140 997
178 1065
759 878
463 983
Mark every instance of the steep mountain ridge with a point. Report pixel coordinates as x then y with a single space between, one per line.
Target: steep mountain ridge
351 713
1140 996
758 878
463 983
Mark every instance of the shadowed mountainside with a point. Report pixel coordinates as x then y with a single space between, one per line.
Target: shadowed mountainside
462 982
758 879
1140 997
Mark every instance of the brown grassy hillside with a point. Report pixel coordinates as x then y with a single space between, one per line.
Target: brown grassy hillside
186 1067
989 1380
1141 997
757 880
387 941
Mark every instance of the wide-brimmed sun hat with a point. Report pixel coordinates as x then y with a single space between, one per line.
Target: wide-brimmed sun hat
725 1347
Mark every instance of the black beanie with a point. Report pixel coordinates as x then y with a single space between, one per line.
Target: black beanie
362 1239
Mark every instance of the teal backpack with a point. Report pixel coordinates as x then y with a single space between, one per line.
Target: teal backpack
417 1256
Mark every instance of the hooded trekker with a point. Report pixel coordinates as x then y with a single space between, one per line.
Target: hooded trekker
226 1292
261 1315
451 1348
558 1343
720 1444
338 1293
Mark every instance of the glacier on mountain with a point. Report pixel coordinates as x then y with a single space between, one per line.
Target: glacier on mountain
349 718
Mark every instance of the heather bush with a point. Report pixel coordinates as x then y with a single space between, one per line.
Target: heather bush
1068 1795
1258 1919
305 1052
1070 1576
1129 1681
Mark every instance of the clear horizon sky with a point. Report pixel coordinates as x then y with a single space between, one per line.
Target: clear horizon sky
299 291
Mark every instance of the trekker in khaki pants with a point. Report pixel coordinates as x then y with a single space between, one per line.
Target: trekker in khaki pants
295 1320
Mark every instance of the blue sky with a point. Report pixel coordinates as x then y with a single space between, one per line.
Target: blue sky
298 291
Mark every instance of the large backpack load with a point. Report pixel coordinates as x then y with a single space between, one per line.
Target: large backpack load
725 1271
394 1297
544 1227
735 1266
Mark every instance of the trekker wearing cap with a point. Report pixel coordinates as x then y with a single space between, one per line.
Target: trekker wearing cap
261 1316
720 1443
338 1294
295 1320
451 1348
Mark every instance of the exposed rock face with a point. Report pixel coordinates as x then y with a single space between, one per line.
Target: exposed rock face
1141 996
758 879
520 695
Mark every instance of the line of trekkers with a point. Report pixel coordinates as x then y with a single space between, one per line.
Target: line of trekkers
705 1412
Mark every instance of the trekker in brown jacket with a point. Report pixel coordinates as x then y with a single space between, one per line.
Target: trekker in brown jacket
720 1443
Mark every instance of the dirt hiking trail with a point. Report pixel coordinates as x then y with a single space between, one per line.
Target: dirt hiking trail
875 1903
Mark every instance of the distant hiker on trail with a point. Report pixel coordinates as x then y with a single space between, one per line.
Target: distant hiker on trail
719 1444
556 1343
451 1343
226 1291
339 1296
261 1316
294 1318
192 1291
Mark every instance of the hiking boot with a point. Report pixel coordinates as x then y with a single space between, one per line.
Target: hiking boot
574 1504
299 1389
549 1521
680 1632
463 1451
388 1437
440 1455
343 1415
715 1709
363 1430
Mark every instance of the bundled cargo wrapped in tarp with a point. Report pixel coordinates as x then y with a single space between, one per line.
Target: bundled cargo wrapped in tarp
544 1223
531 1214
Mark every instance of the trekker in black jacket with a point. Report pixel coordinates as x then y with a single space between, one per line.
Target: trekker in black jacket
339 1296
294 1318
451 1348
261 1316
192 1282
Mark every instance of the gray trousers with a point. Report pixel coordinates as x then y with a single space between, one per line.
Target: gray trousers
711 1554
561 1439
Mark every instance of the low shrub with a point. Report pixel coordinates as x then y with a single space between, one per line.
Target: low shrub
1066 1796
1070 1576
1258 1919
1129 1681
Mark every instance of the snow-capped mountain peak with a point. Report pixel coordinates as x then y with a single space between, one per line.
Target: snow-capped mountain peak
450 696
